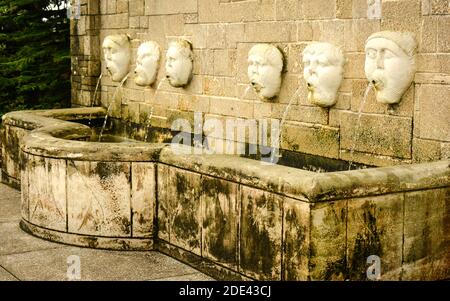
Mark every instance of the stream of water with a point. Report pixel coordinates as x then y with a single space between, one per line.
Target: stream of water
274 154
358 124
110 106
95 95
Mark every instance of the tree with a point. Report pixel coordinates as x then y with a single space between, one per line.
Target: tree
34 55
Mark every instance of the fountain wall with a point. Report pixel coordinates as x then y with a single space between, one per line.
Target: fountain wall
234 217
222 32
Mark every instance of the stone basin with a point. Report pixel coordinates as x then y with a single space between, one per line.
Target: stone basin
229 216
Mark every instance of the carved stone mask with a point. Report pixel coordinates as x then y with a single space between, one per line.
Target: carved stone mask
390 64
116 50
179 59
265 63
147 62
323 65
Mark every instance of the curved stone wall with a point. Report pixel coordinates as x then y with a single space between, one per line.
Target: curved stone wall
232 217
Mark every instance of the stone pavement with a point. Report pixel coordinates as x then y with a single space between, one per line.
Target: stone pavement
24 257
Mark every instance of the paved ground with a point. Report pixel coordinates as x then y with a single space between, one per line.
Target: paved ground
24 257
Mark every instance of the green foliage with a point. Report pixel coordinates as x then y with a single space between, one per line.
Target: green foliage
34 55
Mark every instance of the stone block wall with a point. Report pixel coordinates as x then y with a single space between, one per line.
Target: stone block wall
252 233
222 32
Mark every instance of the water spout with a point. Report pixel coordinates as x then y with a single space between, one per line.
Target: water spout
370 86
110 106
246 91
283 120
95 96
159 85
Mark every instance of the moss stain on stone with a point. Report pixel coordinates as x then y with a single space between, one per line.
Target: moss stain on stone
107 169
125 225
294 248
259 250
185 225
213 187
90 241
220 226
366 243
327 248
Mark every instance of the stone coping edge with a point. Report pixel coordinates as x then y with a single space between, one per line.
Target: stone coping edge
89 241
49 139
311 186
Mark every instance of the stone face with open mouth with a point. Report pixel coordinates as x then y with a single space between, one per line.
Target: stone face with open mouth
265 63
179 60
390 64
147 63
323 68
116 51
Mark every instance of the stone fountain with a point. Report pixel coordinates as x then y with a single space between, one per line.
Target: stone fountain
181 166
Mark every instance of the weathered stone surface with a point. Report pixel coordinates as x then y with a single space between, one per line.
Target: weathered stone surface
220 214
296 229
331 31
374 181
375 227
235 11
321 9
143 199
289 10
445 151
428 36
359 9
18 124
203 265
179 208
25 191
122 6
269 32
433 112
440 7
426 150
343 9
116 21
98 198
260 237
10 146
426 237
361 29
371 159
89 241
433 62
376 134
274 178
432 78
401 15
303 137
136 7
47 192
315 115
328 241
354 66
166 7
